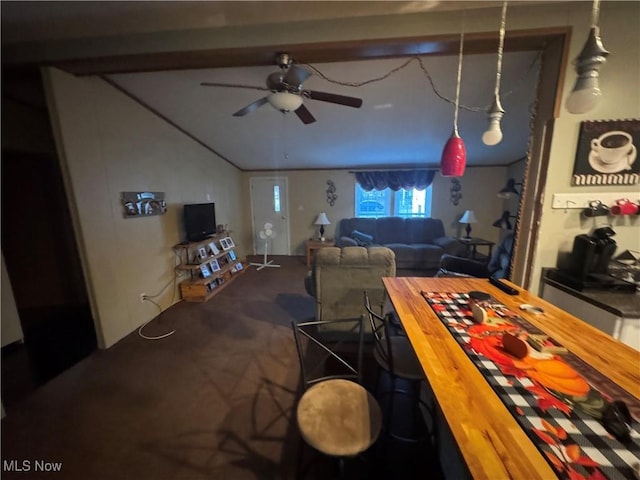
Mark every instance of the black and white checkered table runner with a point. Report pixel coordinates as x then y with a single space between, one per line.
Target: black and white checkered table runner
580 447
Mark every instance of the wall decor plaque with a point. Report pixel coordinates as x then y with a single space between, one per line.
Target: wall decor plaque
607 153
143 204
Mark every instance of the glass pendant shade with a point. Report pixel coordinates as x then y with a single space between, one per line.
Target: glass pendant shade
285 101
454 157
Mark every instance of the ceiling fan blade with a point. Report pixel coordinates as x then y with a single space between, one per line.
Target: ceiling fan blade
232 85
295 76
333 98
305 115
251 107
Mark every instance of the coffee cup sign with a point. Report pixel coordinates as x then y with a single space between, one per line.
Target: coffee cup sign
612 147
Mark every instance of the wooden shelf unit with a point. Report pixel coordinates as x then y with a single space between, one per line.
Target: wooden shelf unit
198 288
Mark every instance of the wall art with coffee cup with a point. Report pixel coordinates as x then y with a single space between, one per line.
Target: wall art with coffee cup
607 153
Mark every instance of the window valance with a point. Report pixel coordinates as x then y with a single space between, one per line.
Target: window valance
395 179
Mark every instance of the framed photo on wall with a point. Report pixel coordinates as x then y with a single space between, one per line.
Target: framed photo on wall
607 153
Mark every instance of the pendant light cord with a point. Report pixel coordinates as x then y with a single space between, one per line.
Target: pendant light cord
455 116
595 13
503 23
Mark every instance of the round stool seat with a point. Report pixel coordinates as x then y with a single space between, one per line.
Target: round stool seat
339 418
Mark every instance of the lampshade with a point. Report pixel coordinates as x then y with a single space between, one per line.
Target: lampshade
322 219
468 217
503 221
285 101
454 157
509 189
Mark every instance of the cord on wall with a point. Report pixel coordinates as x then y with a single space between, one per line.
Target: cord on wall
159 337
148 298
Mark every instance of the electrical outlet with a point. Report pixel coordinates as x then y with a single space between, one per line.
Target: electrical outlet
143 297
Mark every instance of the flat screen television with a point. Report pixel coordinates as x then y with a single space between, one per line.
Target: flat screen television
199 220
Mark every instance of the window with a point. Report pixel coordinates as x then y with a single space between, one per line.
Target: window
276 198
385 203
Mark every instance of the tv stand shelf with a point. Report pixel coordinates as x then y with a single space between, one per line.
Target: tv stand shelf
220 267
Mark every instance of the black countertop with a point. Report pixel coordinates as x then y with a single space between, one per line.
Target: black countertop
621 304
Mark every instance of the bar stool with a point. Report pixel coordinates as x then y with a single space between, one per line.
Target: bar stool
336 415
395 356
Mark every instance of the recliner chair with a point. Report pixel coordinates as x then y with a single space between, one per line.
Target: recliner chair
497 267
340 275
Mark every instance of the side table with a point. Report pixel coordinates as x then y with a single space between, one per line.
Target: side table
471 244
315 245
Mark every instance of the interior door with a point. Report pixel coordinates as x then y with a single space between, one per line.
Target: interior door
270 204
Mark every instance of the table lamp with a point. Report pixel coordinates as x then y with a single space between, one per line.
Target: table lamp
468 217
322 220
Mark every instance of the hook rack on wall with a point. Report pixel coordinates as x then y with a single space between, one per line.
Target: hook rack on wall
582 200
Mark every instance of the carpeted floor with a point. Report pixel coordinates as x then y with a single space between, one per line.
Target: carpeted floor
213 401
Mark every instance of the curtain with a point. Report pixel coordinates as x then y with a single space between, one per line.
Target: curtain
395 179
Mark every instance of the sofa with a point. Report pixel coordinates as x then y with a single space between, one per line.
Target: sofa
339 277
418 243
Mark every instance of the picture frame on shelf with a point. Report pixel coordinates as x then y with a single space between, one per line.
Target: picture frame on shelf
232 255
227 243
215 266
239 266
202 253
204 270
213 248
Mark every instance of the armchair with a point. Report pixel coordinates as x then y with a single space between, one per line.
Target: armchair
497 267
340 275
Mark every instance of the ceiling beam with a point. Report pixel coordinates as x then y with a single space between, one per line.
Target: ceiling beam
475 43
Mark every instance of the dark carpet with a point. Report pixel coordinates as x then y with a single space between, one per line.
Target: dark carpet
213 401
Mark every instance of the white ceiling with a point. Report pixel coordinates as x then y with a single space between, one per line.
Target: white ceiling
401 123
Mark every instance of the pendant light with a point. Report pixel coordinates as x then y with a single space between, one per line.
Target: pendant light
454 154
493 135
586 92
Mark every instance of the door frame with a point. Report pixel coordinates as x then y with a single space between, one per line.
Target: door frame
254 233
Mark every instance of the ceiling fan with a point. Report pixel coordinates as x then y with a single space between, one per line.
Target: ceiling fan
287 93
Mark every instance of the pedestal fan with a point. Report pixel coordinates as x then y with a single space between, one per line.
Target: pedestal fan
267 234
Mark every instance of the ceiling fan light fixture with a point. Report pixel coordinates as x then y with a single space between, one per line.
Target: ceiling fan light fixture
285 101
